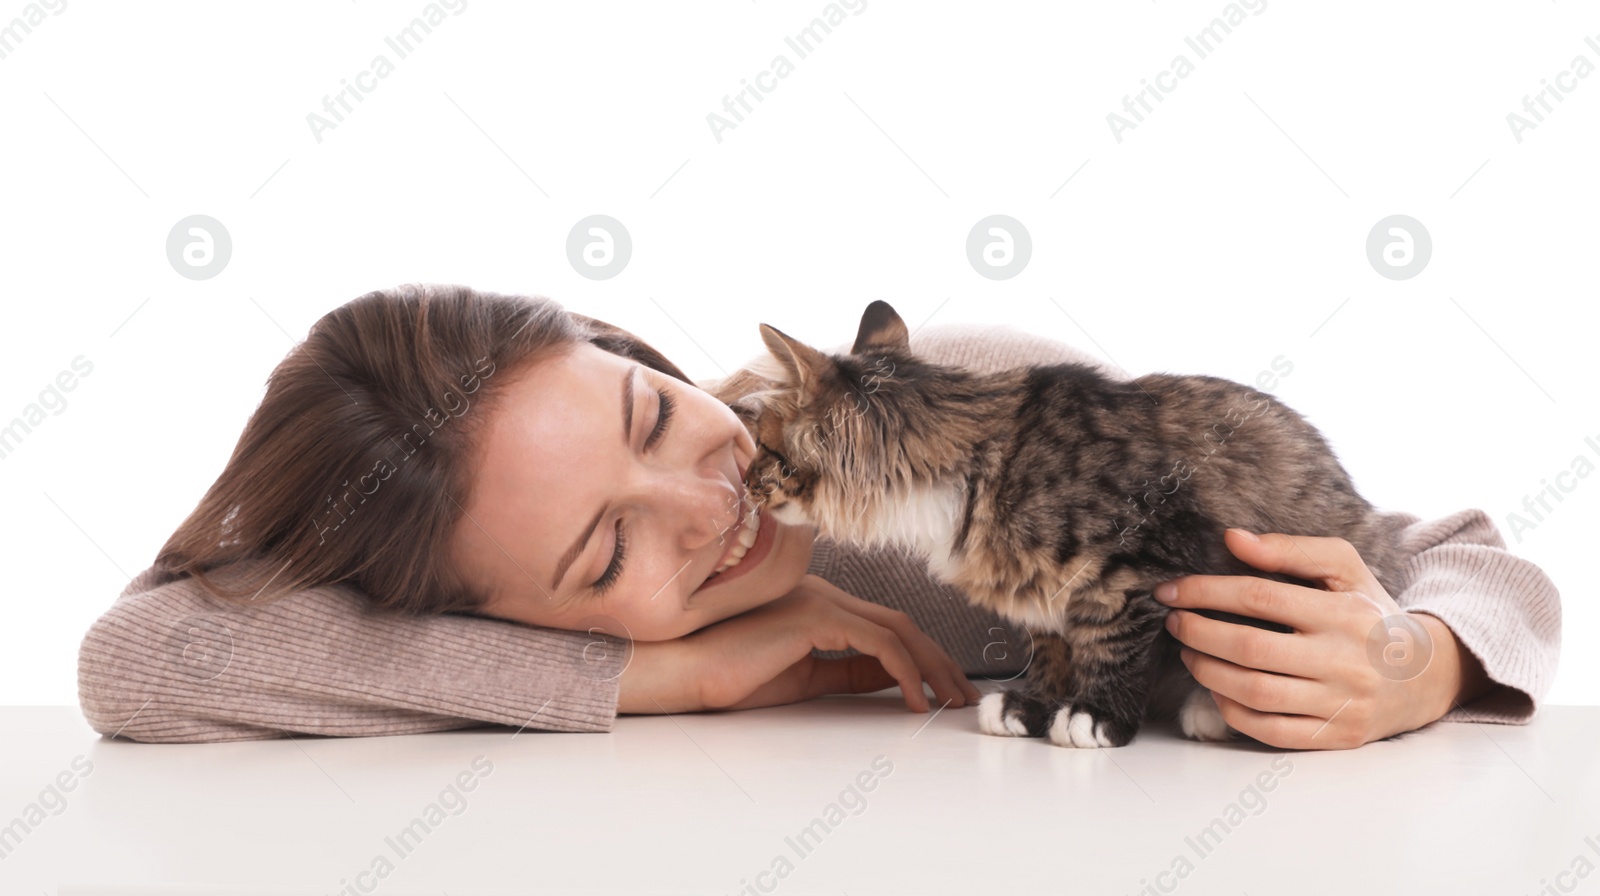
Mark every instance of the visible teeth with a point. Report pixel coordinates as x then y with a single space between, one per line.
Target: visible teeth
747 537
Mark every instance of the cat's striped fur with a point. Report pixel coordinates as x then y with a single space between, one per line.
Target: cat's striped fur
1056 497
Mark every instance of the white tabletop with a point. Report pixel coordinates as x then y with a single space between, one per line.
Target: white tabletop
719 803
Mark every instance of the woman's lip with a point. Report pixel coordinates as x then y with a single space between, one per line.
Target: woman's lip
765 533
732 535
738 524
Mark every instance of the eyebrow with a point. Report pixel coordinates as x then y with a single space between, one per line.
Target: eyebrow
583 537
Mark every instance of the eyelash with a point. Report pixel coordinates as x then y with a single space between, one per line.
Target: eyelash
667 407
614 570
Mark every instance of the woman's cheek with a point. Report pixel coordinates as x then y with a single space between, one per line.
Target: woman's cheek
660 622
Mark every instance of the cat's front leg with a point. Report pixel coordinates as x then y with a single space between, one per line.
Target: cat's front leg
1025 711
1112 637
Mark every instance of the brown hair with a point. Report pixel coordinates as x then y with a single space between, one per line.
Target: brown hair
349 471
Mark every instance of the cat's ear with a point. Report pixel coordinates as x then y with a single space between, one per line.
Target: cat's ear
881 329
802 362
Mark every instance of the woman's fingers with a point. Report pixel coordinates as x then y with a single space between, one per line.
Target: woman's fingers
1292 732
811 677
1330 560
1301 609
969 691
860 674
869 637
765 657
942 673
1261 691
1246 645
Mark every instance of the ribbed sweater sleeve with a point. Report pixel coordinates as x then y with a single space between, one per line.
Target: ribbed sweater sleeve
168 663
1502 608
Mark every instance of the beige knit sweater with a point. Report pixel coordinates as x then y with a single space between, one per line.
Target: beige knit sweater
167 664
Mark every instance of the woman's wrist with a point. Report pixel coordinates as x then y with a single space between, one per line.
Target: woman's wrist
1454 676
657 679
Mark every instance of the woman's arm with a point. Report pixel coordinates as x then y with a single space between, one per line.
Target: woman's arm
169 664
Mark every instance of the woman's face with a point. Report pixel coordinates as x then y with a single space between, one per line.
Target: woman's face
577 435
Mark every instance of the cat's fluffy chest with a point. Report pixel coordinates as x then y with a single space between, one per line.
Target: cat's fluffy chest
924 518
920 518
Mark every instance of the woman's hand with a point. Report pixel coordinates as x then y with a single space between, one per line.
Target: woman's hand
762 657
1355 669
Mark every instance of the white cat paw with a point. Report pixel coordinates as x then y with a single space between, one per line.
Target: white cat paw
1201 719
1077 728
993 718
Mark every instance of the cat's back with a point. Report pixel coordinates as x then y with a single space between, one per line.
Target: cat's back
1170 412
1072 384
1213 408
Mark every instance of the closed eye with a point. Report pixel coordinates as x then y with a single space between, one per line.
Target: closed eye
614 568
668 404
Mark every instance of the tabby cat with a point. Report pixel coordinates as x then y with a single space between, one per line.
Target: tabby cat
1056 497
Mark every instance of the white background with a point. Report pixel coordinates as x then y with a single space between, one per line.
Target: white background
1223 231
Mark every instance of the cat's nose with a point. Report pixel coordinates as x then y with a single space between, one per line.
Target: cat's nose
758 484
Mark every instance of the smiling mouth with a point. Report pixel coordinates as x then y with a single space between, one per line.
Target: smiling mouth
743 536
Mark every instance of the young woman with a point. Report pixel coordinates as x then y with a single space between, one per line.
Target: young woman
434 461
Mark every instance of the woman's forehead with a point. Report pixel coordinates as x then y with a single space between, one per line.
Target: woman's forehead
542 455
558 413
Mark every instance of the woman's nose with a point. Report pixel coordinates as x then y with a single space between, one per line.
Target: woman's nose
699 490
708 509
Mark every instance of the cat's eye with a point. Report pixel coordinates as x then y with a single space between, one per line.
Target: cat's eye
785 469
